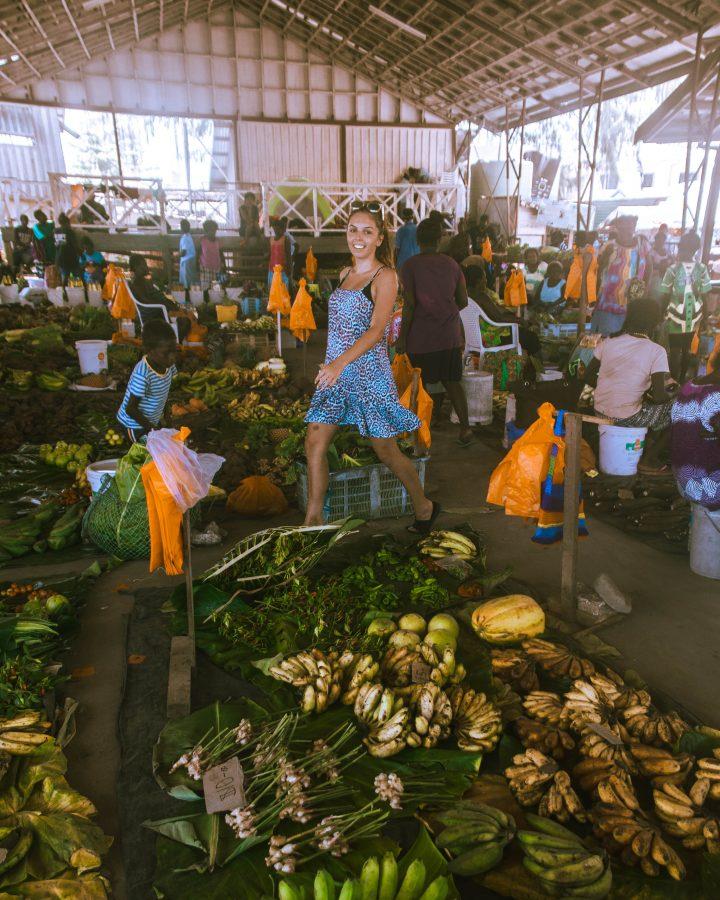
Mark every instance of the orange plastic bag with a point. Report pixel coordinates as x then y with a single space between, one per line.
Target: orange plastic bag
257 496
311 265
517 480
423 409
279 300
123 306
574 279
402 372
302 321
515 294
486 251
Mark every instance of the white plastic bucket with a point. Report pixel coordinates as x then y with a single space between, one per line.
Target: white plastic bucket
621 449
97 470
93 356
478 387
75 296
705 541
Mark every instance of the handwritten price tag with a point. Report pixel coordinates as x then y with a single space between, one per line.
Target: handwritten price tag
420 672
223 787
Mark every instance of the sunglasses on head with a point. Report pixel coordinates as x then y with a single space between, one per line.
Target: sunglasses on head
371 206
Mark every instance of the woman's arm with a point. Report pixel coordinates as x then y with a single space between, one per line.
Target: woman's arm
659 393
592 372
461 294
133 410
385 293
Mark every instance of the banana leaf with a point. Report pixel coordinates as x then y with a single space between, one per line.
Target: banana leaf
66 887
206 833
128 478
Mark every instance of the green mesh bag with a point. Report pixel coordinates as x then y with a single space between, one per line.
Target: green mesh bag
120 529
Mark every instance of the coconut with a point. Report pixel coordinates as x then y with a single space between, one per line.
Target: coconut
440 639
404 639
412 622
382 627
445 622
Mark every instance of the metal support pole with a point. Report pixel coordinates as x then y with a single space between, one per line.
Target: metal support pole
708 146
117 147
593 162
578 211
711 208
507 170
691 124
586 186
571 508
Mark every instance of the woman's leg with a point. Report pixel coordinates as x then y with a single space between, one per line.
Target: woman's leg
318 439
456 393
388 452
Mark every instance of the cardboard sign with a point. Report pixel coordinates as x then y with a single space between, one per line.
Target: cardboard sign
223 787
605 733
420 672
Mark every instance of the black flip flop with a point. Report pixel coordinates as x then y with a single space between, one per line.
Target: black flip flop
424 526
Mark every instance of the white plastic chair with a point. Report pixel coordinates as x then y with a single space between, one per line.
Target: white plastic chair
471 316
144 308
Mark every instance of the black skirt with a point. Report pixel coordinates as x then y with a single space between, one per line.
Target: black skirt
440 365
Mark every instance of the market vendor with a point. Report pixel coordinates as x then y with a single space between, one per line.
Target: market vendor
67 250
431 331
143 289
695 440
92 262
149 386
23 255
623 368
43 236
534 271
685 285
550 293
281 250
626 258
188 259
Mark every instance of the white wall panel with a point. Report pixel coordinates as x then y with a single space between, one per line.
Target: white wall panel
378 154
271 152
43 128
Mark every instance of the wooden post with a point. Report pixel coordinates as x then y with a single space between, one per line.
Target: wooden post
187 552
571 506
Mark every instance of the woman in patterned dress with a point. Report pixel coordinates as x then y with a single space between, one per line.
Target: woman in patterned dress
355 386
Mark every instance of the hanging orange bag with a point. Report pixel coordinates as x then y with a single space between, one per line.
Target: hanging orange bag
123 306
402 372
423 408
574 279
311 265
279 300
256 497
515 294
302 321
486 251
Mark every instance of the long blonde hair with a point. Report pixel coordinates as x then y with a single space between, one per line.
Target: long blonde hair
385 252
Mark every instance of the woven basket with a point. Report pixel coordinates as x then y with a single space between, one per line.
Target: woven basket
278 435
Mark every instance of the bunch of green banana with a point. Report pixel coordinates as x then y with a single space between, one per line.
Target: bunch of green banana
316 674
379 880
355 670
432 717
21 379
530 776
51 381
66 530
709 769
683 816
396 666
212 386
444 668
475 835
17 538
477 723
390 737
561 863
16 740
375 704
439 544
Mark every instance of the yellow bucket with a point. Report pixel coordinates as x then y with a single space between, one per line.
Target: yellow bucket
226 313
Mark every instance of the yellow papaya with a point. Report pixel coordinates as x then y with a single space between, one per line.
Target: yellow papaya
507 620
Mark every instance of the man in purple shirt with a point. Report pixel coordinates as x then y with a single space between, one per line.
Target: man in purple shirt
431 333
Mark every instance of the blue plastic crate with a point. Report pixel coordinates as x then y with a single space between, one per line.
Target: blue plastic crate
253 306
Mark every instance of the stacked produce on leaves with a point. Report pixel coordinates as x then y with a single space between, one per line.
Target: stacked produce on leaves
48 527
475 835
72 457
113 438
560 862
650 506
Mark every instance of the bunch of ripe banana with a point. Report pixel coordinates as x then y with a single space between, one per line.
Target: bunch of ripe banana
444 667
615 689
507 701
590 772
546 706
515 668
561 863
396 666
375 704
561 802
15 736
709 770
477 723
625 829
650 726
661 766
433 715
475 834
316 674
589 702
355 670
683 816
557 660
530 776
448 543
389 737
609 742
546 738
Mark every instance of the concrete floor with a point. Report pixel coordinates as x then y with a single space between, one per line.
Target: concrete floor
671 638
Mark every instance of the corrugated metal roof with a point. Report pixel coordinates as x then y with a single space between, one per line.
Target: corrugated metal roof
41 127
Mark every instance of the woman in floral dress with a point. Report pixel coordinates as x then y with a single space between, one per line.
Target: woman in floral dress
355 386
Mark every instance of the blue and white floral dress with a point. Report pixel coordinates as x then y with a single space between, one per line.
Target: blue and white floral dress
365 394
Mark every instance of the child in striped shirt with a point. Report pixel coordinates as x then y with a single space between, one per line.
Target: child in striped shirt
149 385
